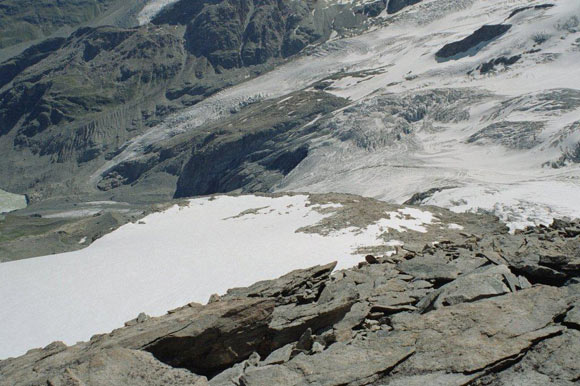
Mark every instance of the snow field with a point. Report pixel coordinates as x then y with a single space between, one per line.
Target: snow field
172 258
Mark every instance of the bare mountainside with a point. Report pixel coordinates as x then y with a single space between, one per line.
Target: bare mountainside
474 101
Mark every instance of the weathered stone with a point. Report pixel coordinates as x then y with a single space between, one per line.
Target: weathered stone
305 341
317 348
290 321
429 268
293 283
217 328
356 315
279 356
389 310
109 366
358 361
524 283
572 318
481 283
271 375
394 299
438 378
470 337
371 259
142 317
214 298
551 362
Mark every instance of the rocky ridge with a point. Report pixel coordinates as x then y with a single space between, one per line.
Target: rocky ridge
489 309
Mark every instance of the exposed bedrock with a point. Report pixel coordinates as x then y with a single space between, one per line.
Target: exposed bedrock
494 309
394 6
258 148
472 43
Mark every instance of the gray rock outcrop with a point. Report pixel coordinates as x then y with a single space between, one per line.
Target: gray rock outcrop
472 43
497 309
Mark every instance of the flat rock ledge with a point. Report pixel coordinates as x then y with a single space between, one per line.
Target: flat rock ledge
494 309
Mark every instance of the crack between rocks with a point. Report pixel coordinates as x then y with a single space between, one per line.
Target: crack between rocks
505 363
480 297
560 319
389 370
153 342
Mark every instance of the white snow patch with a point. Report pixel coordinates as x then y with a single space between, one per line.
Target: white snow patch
83 240
152 9
181 255
98 203
455 227
518 205
407 219
10 202
73 213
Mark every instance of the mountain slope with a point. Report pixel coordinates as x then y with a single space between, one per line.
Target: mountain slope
70 104
498 115
25 23
475 96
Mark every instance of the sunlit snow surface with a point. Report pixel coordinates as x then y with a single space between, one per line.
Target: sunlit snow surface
397 57
171 258
10 201
152 9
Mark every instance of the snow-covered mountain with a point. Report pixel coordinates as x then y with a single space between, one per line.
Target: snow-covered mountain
476 102
494 126
456 105
498 121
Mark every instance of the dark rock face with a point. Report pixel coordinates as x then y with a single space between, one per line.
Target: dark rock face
11 68
74 102
394 6
473 42
502 60
372 9
255 153
539 6
418 198
236 33
52 92
507 313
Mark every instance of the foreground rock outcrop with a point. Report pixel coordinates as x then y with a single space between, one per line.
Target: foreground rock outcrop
494 309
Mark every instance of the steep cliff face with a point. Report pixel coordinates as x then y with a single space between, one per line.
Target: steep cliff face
83 99
254 154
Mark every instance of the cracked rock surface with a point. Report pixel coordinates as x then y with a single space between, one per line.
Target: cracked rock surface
493 309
